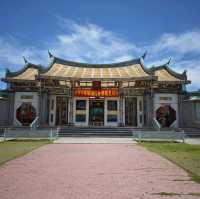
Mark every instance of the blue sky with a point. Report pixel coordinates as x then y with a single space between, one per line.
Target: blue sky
101 32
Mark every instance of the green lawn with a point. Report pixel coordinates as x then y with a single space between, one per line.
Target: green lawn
185 155
13 149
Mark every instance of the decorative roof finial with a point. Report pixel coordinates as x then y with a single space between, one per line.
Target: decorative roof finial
7 70
185 73
169 61
144 55
25 60
50 55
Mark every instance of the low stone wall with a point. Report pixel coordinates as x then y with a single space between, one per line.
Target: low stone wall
28 133
158 135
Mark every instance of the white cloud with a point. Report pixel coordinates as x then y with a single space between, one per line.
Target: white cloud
11 53
184 49
180 43
193 69
91 43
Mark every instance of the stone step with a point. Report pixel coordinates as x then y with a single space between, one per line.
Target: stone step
95 133
98 131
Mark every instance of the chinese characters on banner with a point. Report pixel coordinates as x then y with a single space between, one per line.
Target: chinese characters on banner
113 92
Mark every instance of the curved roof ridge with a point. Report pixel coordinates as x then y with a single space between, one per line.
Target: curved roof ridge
90 65
26 66
104 65
165 66
54 59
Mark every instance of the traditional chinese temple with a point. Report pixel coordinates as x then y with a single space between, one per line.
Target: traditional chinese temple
118 94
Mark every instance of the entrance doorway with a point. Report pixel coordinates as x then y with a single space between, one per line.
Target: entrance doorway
131 111
96 112
61 110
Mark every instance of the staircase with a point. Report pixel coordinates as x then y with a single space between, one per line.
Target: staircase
98 131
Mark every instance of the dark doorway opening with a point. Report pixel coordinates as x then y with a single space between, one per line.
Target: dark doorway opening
61 110
96 112
131 111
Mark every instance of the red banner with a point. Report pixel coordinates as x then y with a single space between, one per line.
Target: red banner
113 92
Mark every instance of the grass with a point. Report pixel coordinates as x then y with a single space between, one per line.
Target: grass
184 155
16 148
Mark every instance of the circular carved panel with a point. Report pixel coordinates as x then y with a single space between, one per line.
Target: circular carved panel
165 115
25 114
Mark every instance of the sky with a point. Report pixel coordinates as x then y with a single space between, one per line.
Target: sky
105 31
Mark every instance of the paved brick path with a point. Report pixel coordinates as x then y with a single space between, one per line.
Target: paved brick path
92 171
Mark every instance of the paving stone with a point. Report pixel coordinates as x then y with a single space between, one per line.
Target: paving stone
93 171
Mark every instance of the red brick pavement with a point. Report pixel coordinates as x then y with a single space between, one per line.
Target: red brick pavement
92 171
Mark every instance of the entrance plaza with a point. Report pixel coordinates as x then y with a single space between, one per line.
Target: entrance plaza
94 171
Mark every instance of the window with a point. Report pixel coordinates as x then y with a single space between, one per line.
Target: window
111 118
166 98
107 84
112 105
25 114
80 117
131 83
140 119
85 84
80 104
140 105
198 111
52 104
51 118
165 115
26 96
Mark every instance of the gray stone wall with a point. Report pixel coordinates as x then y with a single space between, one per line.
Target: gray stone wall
188 113
4 113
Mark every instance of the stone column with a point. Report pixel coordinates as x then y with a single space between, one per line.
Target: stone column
180 109
11 102
71 110
121 111
145 110
71 104
43 108
149 109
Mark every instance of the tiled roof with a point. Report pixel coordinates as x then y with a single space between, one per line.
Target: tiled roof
101 72
62 69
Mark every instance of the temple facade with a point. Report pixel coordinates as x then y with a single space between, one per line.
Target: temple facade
119 94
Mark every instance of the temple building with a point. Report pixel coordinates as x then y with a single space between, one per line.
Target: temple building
80 94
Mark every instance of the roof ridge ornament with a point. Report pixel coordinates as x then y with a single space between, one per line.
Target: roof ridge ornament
144 55
185 74
25 60
169 61
50 54
7 70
